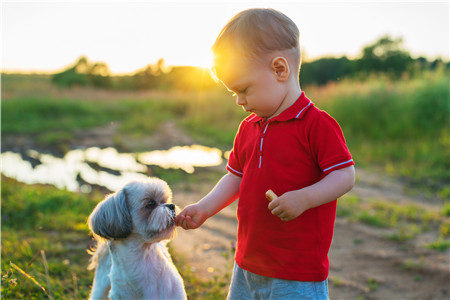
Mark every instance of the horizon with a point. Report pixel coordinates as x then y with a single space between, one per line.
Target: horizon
112 74
129 36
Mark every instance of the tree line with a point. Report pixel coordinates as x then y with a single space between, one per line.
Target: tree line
385 56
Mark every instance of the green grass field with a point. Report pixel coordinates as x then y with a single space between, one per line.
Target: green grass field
398 127
45 240
401 127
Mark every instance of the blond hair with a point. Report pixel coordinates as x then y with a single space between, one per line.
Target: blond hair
255 32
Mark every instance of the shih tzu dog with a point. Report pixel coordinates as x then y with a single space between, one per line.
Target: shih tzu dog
132 260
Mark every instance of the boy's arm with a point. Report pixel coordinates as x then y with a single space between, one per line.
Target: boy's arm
292 204
222 195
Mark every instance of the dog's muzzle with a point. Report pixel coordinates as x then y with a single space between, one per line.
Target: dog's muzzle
171 207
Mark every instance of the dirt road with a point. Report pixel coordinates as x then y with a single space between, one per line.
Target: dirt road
364 264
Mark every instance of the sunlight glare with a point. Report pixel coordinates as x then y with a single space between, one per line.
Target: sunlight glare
201 60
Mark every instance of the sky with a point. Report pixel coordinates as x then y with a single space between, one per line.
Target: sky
48 36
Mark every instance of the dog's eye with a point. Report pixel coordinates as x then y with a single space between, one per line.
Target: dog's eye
150 204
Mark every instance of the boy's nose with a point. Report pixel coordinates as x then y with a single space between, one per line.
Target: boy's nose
240 100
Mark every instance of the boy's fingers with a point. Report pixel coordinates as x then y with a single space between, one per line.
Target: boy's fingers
191 224
273 204
187 223
184 223
277 211
179 220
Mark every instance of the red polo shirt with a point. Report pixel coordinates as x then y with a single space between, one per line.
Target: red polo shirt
290 151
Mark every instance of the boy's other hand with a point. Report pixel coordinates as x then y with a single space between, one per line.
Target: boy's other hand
191 217
289 206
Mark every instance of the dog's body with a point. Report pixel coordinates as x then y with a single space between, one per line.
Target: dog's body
133 262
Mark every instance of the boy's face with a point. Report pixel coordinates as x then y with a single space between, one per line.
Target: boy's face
255 85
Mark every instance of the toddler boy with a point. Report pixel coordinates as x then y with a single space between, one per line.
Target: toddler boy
287 145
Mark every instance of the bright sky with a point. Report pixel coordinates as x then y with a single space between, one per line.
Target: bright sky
128 35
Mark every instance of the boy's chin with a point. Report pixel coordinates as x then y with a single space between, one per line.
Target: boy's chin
256 112
252 111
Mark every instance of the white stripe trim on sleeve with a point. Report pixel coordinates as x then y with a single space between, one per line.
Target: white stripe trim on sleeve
234 170
337 165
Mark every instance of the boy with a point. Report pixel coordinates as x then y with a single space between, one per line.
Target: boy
287 145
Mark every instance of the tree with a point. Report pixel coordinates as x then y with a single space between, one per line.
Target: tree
326 69
385 55
84 73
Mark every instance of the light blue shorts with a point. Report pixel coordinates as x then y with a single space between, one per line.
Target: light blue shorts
247 285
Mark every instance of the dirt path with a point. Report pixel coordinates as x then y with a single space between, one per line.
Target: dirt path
364 263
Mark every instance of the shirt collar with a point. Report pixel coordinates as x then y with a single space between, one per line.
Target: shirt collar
295 111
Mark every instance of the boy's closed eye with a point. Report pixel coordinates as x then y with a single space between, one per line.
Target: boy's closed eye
240 92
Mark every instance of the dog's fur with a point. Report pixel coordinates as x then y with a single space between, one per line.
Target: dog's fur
131 260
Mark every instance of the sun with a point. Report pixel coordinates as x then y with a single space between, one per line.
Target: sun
202 60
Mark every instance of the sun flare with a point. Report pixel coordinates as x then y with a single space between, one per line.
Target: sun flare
202 60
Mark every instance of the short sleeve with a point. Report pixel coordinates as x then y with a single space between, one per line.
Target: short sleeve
328 144
234 164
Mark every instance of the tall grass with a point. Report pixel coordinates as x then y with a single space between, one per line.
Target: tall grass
401 126
40 222
211 117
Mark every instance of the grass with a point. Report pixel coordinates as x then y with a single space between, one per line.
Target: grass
402 127
139 114
44 244
407 220
38 222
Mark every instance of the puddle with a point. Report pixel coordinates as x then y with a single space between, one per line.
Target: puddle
123 167
185 158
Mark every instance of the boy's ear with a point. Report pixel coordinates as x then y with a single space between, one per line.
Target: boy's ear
280 67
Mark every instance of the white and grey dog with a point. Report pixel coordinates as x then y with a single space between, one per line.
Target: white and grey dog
132 260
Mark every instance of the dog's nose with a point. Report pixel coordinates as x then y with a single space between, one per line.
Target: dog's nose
171 206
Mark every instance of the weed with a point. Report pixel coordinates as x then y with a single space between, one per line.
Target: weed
336 281
405 232
440 244
358 241
372 284
446 209
411 265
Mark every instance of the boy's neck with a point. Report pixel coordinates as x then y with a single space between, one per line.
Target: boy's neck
291 97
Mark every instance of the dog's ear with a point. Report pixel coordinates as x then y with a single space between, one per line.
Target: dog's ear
111 219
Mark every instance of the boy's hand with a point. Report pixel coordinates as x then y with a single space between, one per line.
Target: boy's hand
289 206
191 217
292 204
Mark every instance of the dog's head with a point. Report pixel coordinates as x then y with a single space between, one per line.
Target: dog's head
141 207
